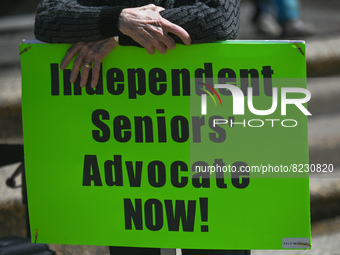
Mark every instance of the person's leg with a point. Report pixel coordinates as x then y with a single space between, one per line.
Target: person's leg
264 20
287 10
288 15
265 6
117 250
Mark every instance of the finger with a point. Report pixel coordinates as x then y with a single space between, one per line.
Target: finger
106 46
150 49
147 45
84 73
169 42
95 73
156 38
177 30
79 60
71 52
76 67
160 47
151 41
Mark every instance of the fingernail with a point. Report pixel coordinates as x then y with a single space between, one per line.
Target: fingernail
93 85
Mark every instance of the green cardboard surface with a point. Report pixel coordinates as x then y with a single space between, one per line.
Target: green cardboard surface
119 165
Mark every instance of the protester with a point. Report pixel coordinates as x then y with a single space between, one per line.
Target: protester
155 25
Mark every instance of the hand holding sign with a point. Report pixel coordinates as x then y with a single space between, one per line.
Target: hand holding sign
88 52
147 27
143 24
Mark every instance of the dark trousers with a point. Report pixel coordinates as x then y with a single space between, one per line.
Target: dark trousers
114 250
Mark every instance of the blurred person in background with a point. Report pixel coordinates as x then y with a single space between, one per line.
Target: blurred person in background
280 19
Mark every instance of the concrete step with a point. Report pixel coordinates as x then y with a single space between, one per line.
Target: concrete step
325 195
13 30
325 93
17 23
10 106
324 139
323 57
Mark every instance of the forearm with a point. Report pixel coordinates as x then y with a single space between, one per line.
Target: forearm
71 21
61 21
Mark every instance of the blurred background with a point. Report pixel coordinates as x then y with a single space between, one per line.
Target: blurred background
315 21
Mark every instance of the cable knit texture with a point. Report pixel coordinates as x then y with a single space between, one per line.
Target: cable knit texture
70 21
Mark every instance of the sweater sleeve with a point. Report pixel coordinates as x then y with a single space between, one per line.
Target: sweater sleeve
206 21
71 21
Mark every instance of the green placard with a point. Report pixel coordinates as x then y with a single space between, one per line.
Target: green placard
171 151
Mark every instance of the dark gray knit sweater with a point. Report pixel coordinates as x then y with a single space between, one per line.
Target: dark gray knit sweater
70 21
